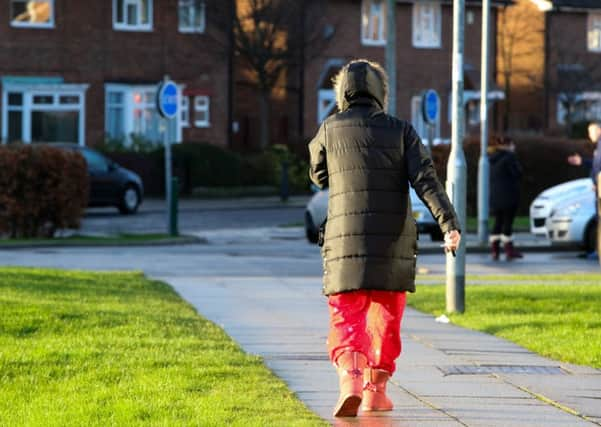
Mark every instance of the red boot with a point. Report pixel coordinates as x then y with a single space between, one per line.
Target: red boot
510 251
495 247
374 391
350 373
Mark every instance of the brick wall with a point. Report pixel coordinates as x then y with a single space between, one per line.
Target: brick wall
84 48
417 69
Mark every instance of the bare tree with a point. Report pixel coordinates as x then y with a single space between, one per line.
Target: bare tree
269 37
520 39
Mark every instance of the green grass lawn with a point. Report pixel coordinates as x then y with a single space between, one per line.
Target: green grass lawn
560 321
100 349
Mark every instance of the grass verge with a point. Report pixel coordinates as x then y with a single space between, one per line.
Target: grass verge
560 321
100 349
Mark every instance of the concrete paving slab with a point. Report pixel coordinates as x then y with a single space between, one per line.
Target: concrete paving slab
285 321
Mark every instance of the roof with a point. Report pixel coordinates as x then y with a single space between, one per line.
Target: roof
576 4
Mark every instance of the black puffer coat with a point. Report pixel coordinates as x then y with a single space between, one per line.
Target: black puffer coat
505 175
368 159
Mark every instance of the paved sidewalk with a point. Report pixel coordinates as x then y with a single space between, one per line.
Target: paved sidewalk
526 242
447 376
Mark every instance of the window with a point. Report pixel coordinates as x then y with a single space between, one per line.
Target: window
185 111
96 161
202 112
43 113
426 25
130 111
417 120
585 107
32 14
114 115
192 16
373 22
594 32
132 15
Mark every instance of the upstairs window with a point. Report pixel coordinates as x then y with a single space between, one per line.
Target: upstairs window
594 32
426 25
202 112
132 15
373 22
32 14
192 16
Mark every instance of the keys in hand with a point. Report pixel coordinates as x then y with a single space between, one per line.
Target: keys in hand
451 241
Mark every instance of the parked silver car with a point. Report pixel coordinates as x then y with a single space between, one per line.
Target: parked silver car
566 214
317 210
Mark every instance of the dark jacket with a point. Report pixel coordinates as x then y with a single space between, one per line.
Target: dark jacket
596 163
368 159
505 175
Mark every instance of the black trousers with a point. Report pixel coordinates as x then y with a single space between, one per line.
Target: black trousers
504 221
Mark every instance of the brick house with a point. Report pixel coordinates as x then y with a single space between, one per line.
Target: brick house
424 57
79 71
572 62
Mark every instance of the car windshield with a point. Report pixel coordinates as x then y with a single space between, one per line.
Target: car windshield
96 161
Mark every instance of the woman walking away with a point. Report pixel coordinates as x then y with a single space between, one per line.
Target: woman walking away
505 175
368 159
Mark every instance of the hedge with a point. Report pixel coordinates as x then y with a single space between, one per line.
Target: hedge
201 165
42 189
544 161
204 165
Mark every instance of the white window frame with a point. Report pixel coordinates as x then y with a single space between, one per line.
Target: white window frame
419 8
326 103
185 111
55 91
129 105
193 11
41 25
368 11
202 108
594 98
593 32
123 26
417 120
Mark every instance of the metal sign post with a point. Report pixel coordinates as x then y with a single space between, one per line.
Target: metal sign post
430 112
167 106
391 55
483 163
457 168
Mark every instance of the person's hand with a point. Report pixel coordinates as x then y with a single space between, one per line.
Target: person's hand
452 240
575 160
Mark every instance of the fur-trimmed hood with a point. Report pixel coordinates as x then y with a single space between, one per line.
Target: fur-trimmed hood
361 79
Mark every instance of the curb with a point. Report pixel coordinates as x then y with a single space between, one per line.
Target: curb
176 241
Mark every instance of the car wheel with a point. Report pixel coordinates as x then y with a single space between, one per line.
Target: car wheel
436 235
310 230
130 200
590 237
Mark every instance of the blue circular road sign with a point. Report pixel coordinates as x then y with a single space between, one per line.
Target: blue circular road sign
167 105
430 106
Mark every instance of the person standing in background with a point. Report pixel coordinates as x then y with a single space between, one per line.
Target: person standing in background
594 134
505 176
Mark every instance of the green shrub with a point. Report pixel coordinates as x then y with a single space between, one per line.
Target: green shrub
42 189
544 161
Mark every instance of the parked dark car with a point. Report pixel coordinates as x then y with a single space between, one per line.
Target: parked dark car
110 184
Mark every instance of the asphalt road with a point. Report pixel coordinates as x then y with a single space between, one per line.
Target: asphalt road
261 252
193 216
